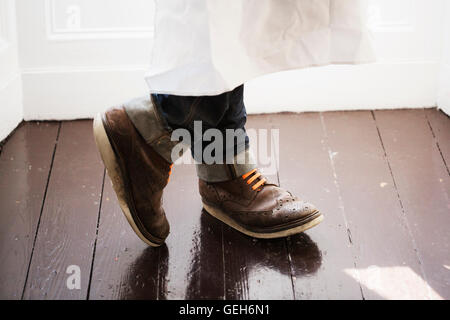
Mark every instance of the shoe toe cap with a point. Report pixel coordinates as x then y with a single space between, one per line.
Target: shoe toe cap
296 209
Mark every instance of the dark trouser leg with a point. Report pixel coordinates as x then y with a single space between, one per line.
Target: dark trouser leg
221 112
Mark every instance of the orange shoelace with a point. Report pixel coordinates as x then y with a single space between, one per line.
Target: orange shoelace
170 172
253 175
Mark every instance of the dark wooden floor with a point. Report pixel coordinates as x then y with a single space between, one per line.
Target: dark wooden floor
381 179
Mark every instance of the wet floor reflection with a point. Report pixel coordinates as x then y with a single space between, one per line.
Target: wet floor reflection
305 255
224 263
143 279
261 269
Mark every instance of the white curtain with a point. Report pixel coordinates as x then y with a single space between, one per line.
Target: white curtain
207 47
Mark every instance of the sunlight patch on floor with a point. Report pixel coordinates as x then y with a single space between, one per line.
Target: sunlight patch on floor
397 282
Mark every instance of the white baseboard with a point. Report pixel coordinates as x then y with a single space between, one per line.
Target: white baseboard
341 87
81 93
10 106
443 100
65 94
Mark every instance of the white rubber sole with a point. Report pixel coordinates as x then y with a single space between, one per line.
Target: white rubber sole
113 169
218 214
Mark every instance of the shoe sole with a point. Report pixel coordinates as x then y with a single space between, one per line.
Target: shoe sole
112 167
219 214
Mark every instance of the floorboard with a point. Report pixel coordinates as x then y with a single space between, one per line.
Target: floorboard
124 266
380 178
257 269
321 255
25 163
193 267
424 187
387 265
67 230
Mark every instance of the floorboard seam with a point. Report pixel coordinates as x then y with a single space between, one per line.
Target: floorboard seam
360 287
291 266
437 143
158 276
223 265
327 148
96 237
286 241
42 210
404 216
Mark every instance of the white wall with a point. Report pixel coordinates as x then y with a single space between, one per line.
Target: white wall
81 56
443 99
10 82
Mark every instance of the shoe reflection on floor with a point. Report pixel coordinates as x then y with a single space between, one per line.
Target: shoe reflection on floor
241 263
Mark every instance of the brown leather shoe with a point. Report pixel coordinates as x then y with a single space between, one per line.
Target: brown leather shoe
256 208
138 173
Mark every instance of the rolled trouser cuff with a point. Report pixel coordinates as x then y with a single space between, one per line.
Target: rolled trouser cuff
151 125
242 164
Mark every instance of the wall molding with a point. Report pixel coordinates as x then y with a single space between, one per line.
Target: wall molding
76 69
378 24
366 86
72 93
57 34
75 93
443 100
